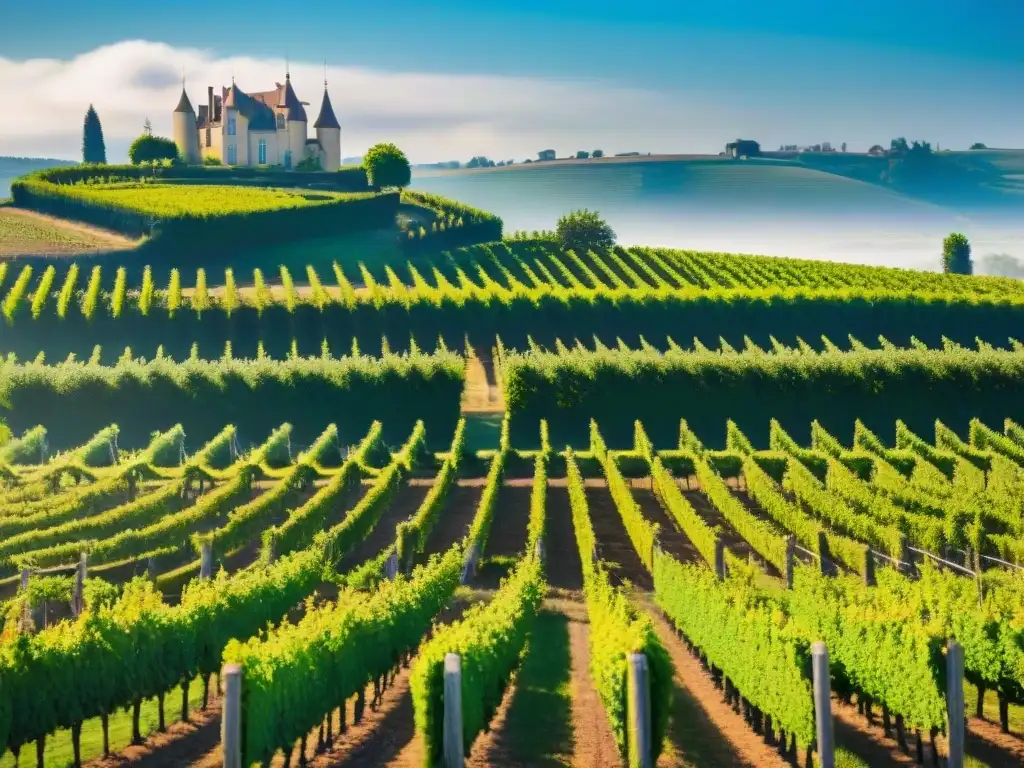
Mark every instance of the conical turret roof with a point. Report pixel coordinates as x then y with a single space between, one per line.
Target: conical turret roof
290 101
326 118
184 105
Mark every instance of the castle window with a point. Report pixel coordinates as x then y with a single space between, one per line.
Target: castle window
231 126
280 121
263 152
232 154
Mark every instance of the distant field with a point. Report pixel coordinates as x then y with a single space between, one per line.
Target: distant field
24 233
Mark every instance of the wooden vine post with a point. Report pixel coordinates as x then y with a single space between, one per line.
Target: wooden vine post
869 566
638 712
790 560
719 558
78 598
453 746
206 560
823 706
469 566
955 702
231 716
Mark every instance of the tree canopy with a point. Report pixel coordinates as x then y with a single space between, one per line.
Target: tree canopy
94 150
150 149
978 145
956 255
387 166
581 231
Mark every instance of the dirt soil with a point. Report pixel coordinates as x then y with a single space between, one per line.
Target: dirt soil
613 543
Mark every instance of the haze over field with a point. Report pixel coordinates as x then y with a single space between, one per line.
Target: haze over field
743 209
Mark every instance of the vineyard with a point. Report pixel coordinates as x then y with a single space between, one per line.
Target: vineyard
513 290
129 575
504 505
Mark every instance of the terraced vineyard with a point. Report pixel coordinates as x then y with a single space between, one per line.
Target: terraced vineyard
369 565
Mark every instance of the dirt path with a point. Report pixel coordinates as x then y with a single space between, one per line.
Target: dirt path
534 726
403 506
987 742
480 394
670 537
613 543
732 540
507 538
703 729
562 555
457 515
26 233
867 740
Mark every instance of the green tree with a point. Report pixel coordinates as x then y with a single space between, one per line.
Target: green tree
387 166
93 148
582 155
150 149
581 231
956 255
978 145
311 162
597 153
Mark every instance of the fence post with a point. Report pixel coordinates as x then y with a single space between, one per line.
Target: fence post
823 706
469 566
955 702
824 555
391 567
719 558
206 560
231 715
78 597
906 557
638 711
540 548
453 746
790 560
869 566
26 574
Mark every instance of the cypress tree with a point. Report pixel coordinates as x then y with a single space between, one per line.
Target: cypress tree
93 148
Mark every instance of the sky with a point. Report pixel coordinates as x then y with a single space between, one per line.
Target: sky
507 78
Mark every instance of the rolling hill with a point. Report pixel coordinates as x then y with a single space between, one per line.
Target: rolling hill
820 206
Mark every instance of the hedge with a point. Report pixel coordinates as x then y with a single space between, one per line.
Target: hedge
483 315
211 233
254 395
707 388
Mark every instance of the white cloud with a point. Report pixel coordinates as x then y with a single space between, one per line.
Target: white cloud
432 116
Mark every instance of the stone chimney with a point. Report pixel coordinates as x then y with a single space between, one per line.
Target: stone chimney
209 114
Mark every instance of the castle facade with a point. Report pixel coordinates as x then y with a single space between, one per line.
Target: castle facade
266 128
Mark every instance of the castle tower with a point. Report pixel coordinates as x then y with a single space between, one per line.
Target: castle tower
186 133
295 114
328 133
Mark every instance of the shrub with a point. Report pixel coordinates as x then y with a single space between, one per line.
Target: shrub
956 255
387 166
583 231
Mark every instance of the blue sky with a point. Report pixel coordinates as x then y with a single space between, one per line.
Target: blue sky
690 75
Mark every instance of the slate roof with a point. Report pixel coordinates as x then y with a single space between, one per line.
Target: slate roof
326 118
290 101
184 105
260 116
